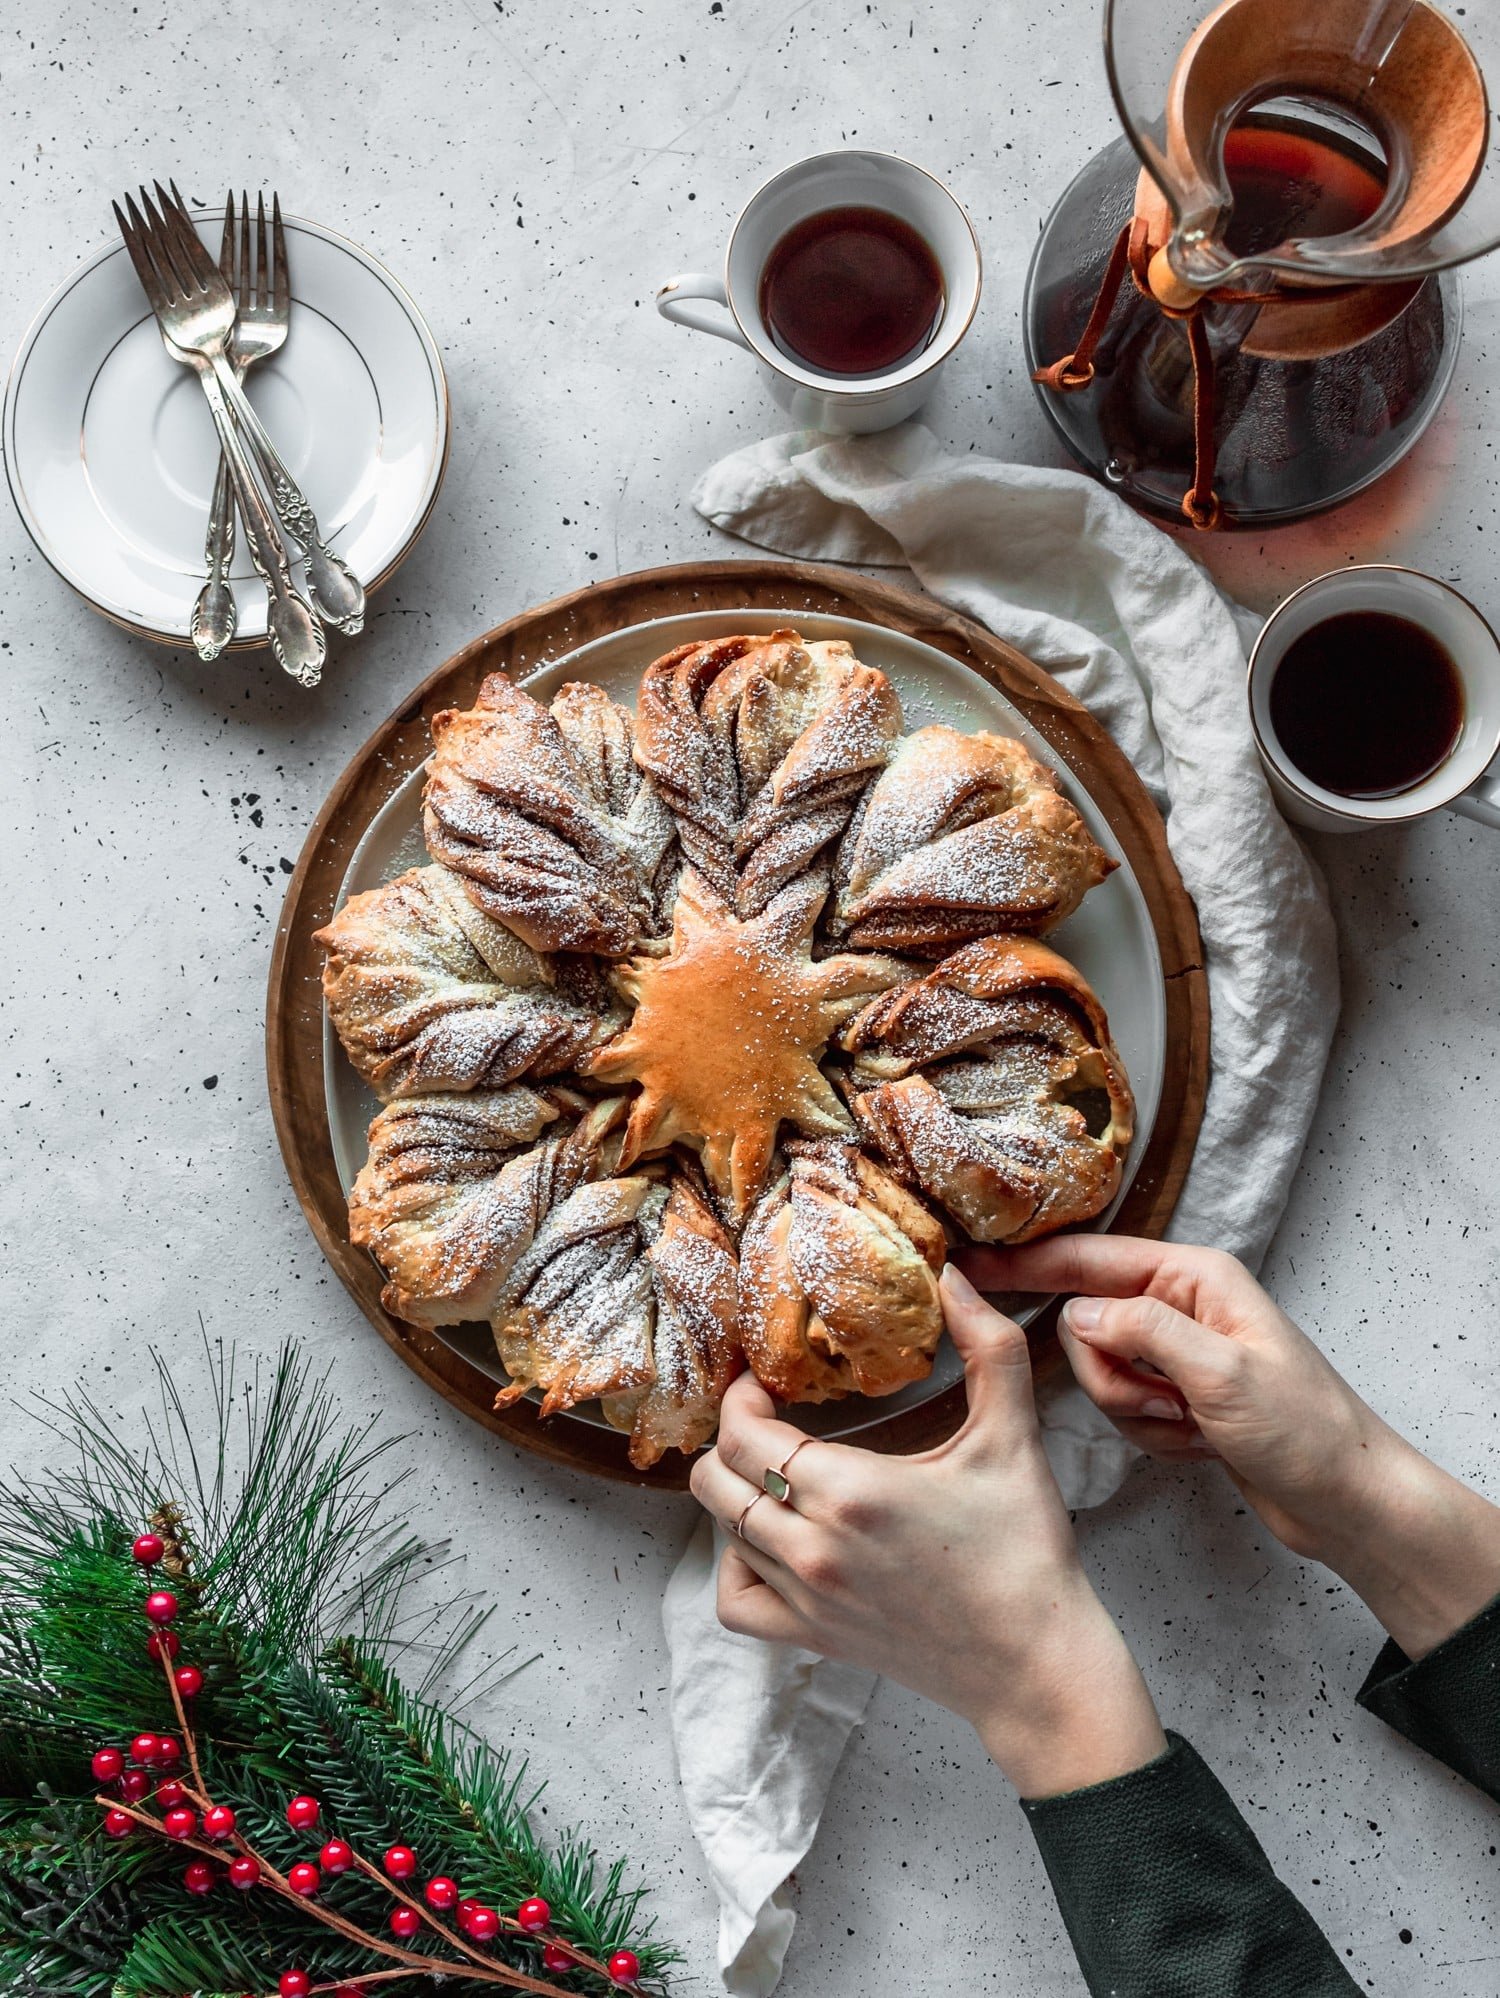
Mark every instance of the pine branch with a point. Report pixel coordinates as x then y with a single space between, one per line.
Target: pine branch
476 1801
63 1917
299 1591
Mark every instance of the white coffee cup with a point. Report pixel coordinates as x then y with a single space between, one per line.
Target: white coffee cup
730 307
1468 779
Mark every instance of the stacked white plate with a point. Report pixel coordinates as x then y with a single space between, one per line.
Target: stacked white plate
111 452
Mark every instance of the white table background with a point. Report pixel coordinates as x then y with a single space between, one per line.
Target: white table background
532 170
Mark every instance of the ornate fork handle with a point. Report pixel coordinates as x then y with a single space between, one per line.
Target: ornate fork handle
297 638
336 592
215 614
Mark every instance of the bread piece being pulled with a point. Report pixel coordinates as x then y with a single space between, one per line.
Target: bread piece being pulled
838 1279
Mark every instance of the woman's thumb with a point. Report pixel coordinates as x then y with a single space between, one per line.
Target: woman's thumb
996 1357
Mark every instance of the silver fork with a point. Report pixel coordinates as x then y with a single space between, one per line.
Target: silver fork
260 328
194 324
336 593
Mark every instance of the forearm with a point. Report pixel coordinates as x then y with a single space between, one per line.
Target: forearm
1420 1548
1162 1886
1082 1713
1167 1894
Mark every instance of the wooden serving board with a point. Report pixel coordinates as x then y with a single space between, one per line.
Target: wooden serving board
294 1015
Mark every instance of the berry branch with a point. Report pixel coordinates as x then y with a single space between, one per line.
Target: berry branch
285 1589
188 1808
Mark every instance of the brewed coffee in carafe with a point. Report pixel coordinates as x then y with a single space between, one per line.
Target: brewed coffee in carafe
1300 239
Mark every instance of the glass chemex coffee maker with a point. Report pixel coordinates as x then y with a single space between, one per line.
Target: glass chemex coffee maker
1245 310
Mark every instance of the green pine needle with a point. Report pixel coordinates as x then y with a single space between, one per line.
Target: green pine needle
301 1593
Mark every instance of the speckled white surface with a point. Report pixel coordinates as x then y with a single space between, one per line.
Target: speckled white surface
531 171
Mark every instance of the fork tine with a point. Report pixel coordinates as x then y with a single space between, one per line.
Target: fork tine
226 241
193 252
139 256
262 271
157 235
154 277
136 233
189 255
245 294
176 288
281 285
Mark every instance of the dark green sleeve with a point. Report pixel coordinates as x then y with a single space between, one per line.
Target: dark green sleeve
1166 1893
1449 1701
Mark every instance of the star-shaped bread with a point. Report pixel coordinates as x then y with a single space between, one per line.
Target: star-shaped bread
658 1102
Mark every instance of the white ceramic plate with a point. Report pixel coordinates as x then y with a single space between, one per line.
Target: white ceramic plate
111 451
1110 938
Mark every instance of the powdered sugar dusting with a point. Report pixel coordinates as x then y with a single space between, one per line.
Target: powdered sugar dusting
579 1224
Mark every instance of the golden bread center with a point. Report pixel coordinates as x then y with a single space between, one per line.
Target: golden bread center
724 1043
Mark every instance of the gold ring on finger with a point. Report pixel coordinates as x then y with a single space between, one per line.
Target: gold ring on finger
739 1524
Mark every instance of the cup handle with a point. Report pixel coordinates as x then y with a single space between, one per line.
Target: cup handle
674 301
1482 799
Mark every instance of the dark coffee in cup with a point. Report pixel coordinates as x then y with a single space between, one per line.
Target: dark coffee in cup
1367 704
851 291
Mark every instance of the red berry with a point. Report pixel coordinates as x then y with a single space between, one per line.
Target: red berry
405 1922
107 1764
180 1822
400 1862
161 1606
218 1821
163 1641
148 1549
302 1813
188 1681
119 1824
144 1747
304 1879
555 1957
198 1877
294 1984
533 1915
168 1752
169 1793
484 1924
243 1872
134 1784
465 1910
440 1893
336 1857
624 1967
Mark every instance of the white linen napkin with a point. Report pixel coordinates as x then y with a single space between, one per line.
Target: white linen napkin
1119 613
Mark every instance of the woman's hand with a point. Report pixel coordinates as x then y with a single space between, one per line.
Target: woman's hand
1188 1356
954 1572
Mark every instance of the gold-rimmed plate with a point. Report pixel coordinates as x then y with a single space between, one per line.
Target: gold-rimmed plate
111 452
